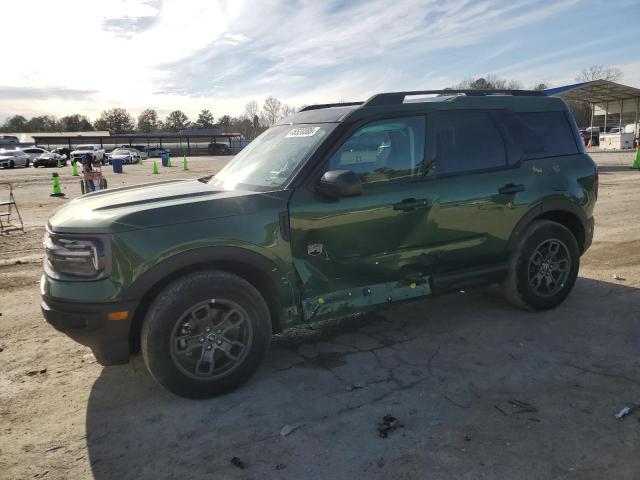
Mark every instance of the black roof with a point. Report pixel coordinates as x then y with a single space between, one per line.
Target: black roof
525 100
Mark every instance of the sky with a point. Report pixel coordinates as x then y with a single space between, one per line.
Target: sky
85 56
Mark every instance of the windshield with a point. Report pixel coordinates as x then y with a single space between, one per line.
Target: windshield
120 152
270 159
85 147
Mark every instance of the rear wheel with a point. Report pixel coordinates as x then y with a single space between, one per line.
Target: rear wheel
11 164
544 268
205 334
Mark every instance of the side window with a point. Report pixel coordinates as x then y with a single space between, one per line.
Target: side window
468 140
384 150
553 133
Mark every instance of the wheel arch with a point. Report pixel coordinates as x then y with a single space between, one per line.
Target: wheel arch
563 212
253 267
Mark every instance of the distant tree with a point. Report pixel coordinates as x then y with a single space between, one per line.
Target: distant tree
45 123
540 86
115 120
176 120
271 111
287 110
597 72
17 123
490 82
251 109
75 123
148 121
224 123
205 119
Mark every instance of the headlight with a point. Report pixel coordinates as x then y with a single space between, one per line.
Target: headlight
75 258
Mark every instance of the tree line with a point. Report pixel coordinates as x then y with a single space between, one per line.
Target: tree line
255 119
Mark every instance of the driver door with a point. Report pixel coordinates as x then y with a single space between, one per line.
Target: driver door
369 249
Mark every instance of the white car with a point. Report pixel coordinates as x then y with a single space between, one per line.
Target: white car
34 152
127 155
93 150
13 158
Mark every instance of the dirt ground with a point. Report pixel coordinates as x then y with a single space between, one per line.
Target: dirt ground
481 390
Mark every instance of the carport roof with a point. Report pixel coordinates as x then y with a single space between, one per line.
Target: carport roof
597 91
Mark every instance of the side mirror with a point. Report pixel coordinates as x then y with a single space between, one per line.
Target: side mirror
340 183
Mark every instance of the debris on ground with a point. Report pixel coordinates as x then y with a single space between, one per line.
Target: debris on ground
355 386
523 407
467 438
380 462
236 462
280 466
287 429
31 373
618 277
388 424
624 412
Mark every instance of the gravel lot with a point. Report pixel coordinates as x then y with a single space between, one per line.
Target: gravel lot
481 390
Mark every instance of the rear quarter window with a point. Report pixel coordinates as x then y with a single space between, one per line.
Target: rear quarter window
544 134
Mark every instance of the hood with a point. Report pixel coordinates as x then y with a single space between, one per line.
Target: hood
152 205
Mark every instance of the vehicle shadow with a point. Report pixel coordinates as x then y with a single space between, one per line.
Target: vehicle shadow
134 429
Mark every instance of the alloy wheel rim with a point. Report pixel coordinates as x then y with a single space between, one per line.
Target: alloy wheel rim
549 267
211 339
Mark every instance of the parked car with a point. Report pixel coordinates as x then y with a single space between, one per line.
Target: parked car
218 149
9 141
64 151
13 158
49 159
311 221
34 152
127 155
96 152
157 151
142 150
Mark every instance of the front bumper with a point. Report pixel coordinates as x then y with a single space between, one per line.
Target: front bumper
88 324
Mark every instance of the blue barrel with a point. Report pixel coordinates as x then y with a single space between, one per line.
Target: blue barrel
165 159
117 165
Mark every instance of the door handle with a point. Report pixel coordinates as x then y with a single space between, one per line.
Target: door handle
510 189
409 204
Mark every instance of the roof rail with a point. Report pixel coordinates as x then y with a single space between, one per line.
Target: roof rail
329 105
397 98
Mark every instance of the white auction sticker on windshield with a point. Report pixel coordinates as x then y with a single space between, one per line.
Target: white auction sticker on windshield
302 132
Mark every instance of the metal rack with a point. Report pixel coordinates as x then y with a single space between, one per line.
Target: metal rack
9 206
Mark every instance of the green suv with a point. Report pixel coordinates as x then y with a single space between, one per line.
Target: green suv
337 209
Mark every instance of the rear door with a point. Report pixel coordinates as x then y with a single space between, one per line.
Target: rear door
480 187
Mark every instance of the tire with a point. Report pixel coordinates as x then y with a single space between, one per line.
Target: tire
533 262
174 351
11 164
26 165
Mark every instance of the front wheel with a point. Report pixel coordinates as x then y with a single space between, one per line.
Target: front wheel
205 334
544 267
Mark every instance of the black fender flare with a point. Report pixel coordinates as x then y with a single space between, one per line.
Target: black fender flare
563 205
273 283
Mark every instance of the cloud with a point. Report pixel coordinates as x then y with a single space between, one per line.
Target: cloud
44 93
297 50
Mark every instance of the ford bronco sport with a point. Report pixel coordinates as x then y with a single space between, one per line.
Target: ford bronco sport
337 209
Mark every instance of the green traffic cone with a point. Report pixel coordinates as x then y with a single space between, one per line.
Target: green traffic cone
74 171
59 164
636 163
155 167
169 162
141 162
185 164
56 186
